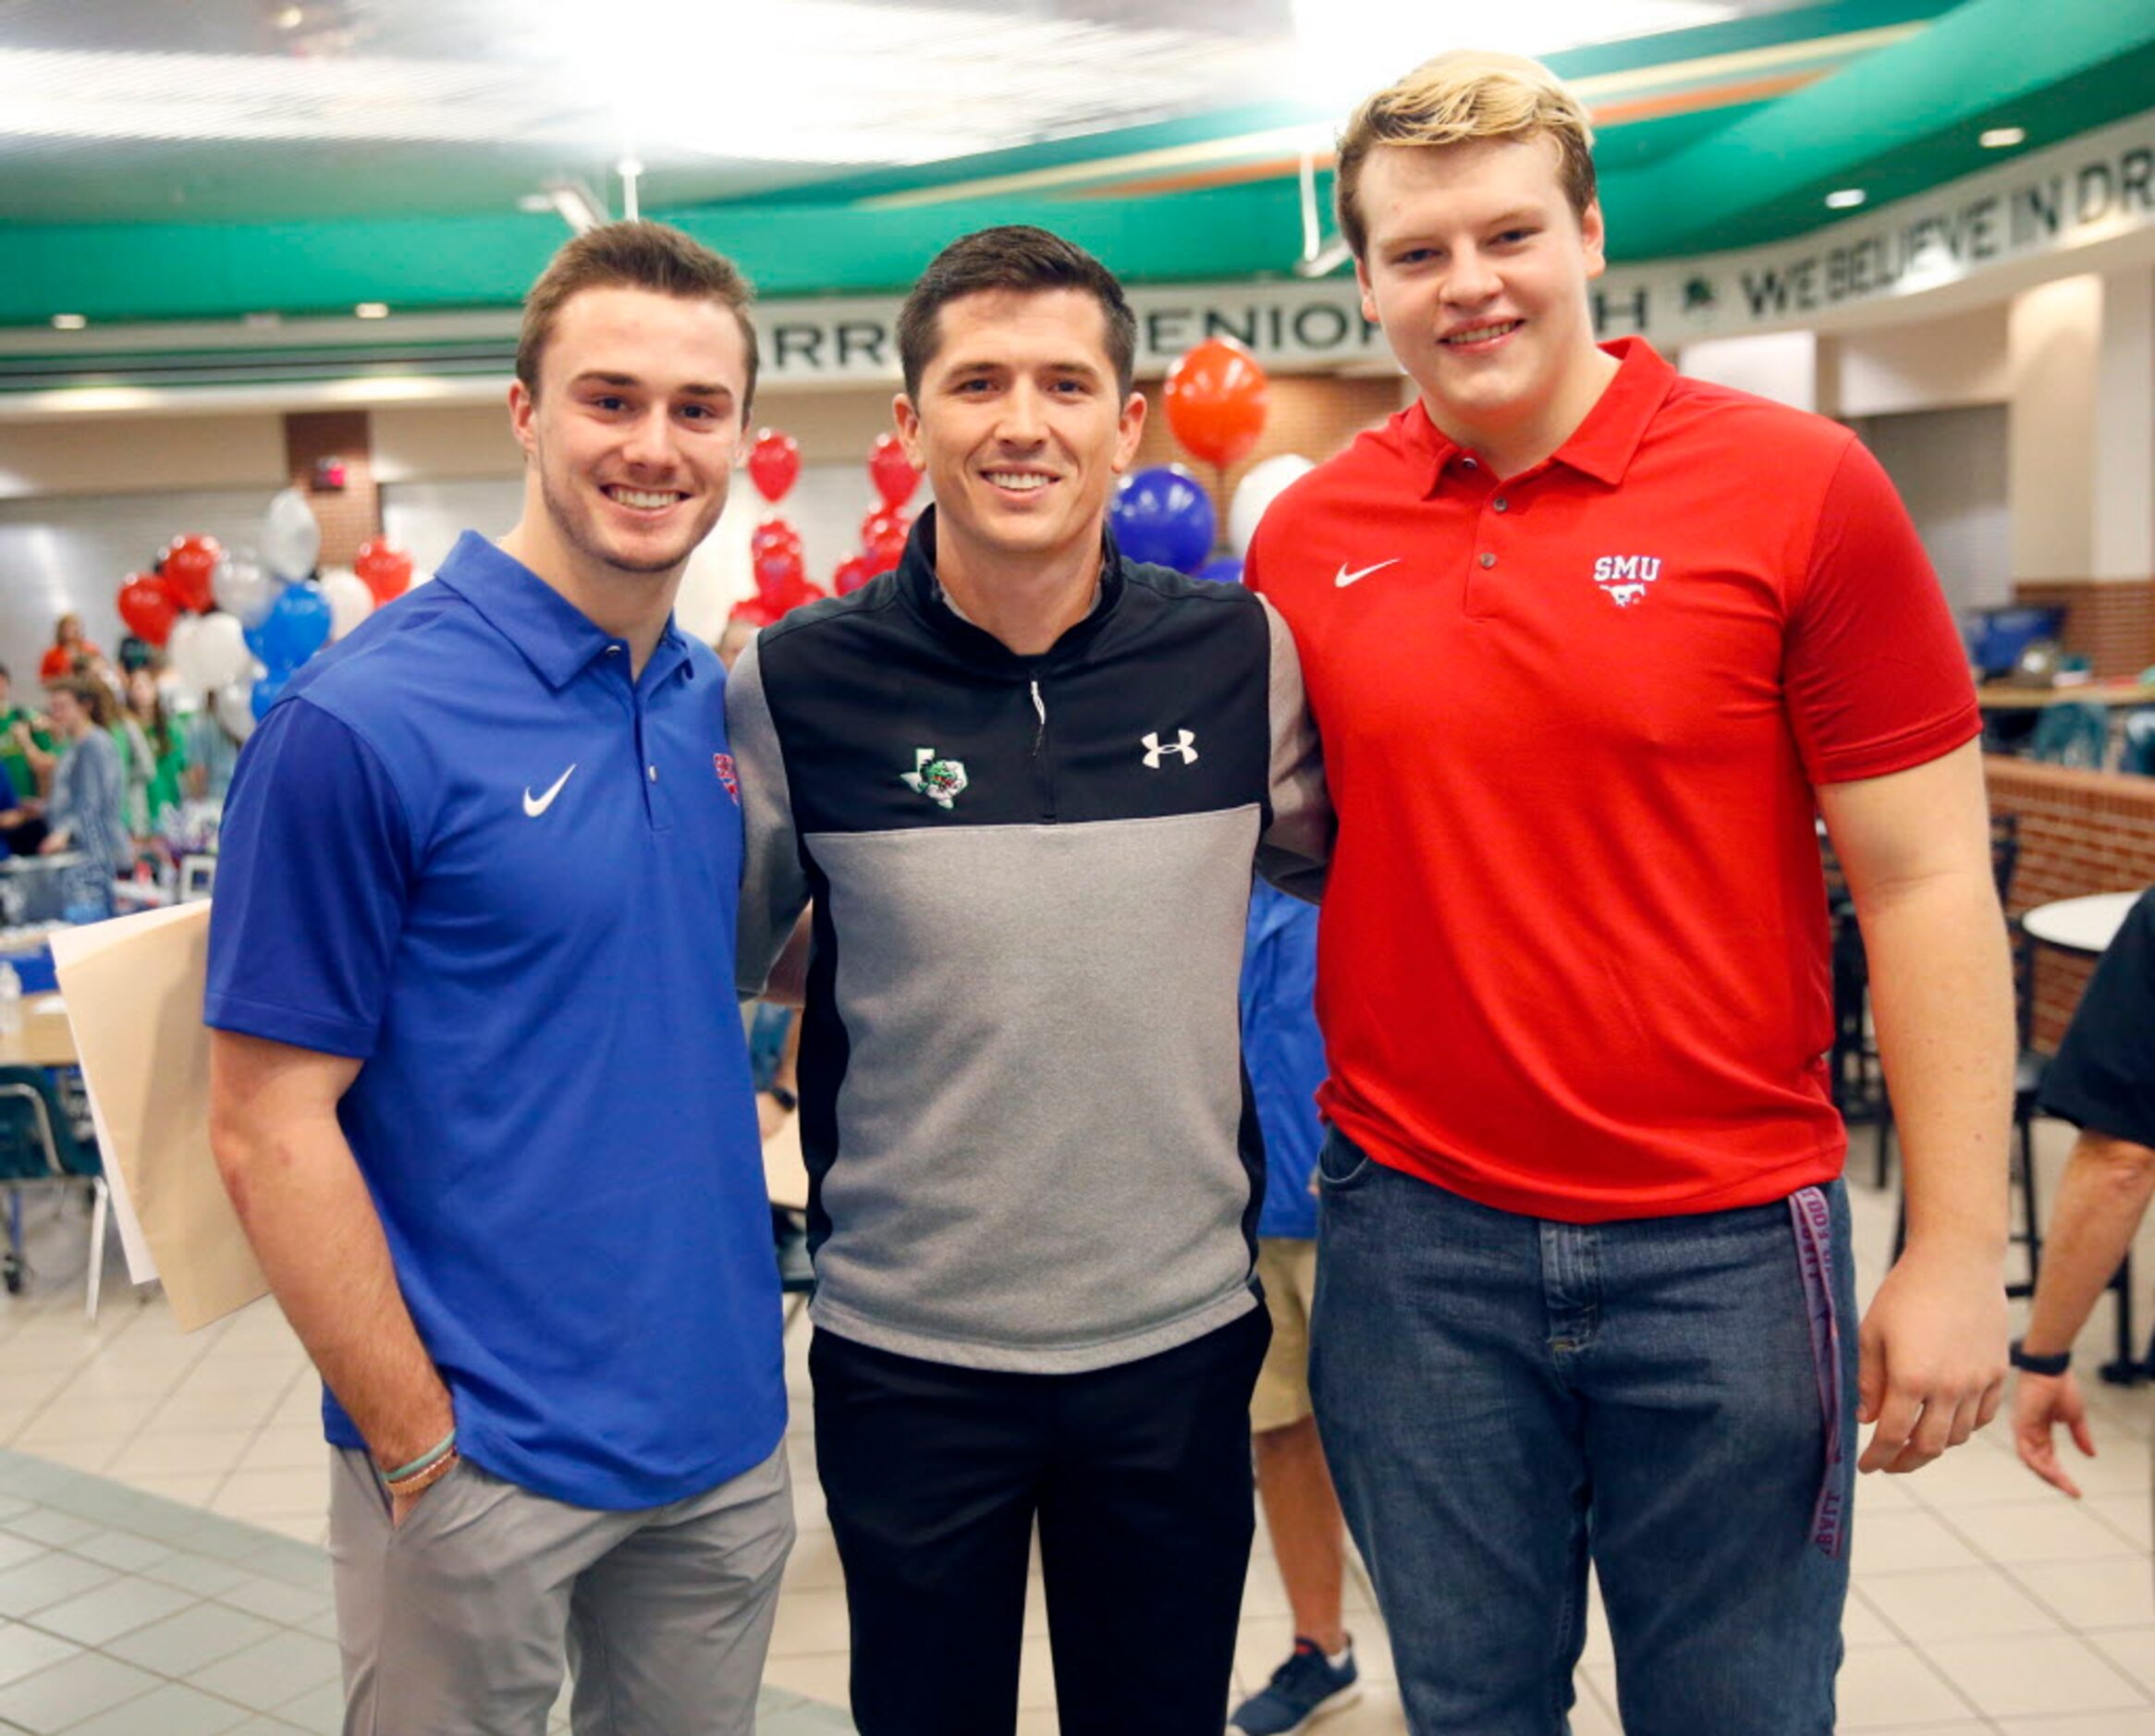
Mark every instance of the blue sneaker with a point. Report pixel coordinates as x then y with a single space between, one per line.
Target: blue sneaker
1303 1689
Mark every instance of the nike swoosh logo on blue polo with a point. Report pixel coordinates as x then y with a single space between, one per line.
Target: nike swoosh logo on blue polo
537 805
1343 577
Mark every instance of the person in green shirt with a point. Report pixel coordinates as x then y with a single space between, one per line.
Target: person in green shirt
155 756
25 749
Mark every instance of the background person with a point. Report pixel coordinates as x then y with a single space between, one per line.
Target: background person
87 812
2103 1080
1285 1055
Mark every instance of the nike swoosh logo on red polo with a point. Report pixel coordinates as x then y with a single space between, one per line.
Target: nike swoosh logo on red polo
1343 577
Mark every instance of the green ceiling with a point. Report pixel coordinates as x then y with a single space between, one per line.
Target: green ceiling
1695 161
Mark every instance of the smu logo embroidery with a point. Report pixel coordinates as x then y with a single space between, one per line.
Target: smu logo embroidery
939 780
1182 744
1626 576
723 764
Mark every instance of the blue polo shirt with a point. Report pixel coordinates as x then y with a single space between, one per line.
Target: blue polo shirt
464 849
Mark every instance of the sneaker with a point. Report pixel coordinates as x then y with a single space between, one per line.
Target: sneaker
1303 1689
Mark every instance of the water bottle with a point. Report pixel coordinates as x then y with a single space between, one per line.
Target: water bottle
10 999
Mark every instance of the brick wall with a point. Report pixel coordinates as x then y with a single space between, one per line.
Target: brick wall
2080 832
349 516
2110 622
1313 414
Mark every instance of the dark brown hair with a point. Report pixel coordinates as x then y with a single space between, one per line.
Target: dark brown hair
633 256
1015 256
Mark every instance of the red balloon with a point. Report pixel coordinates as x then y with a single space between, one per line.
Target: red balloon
1215 400
774 533
778 571
754 611
887 551
853 572
187 569
385 568
884 521
774 463
892 471
148 608
801 592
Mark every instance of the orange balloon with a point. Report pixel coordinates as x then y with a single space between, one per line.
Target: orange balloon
1215 400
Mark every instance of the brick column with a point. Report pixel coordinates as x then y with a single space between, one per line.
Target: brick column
347 516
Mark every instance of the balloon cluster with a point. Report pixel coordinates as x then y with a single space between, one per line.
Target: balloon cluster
781 575
235 625
1217 402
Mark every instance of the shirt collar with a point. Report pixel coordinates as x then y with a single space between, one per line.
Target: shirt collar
555 637
1600 446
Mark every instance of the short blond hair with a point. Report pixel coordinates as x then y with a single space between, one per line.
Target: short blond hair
1469 94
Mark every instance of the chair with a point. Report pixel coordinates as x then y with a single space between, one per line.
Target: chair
2139 754
38 1149
2073 732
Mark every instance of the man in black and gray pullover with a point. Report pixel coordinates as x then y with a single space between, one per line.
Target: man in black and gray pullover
1024 782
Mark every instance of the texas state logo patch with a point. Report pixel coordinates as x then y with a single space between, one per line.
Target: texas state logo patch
723 764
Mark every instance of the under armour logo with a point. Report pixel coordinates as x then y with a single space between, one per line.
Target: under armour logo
1182 744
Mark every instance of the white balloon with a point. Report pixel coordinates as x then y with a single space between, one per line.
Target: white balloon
242 585
292 541
234 703
1264 484
212 653
350 602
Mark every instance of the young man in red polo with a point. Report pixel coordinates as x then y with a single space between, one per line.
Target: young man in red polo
1590 645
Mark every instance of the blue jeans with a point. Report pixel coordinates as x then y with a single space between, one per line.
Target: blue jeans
1501 1397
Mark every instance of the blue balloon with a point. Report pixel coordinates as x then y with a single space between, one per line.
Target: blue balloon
1225 571
295 629
266 693
1164 517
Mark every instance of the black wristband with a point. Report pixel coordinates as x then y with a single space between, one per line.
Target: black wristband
786 1100
2029 1363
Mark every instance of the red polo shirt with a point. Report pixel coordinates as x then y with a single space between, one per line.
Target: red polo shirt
1573 953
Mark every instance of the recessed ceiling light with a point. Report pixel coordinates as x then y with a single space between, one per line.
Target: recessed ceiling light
69 322
373 310
290 18
2001 138
534 203
1847 199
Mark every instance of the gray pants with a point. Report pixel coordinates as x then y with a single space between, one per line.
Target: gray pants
459 1622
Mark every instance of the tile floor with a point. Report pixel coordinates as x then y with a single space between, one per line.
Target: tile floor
161 1512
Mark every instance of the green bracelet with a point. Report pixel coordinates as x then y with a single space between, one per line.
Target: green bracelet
432 1456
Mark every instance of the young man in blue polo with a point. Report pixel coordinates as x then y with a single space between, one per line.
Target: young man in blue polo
479 1091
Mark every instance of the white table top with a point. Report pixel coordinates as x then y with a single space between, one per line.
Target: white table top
2080 924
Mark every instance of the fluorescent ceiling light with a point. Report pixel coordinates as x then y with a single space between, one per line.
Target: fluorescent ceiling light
2001 138
1847 199
371 310
69 322
807 81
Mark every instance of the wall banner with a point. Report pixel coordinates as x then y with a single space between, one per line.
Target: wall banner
2094 187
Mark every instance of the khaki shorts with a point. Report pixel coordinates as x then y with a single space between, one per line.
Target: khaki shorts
1288 1266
